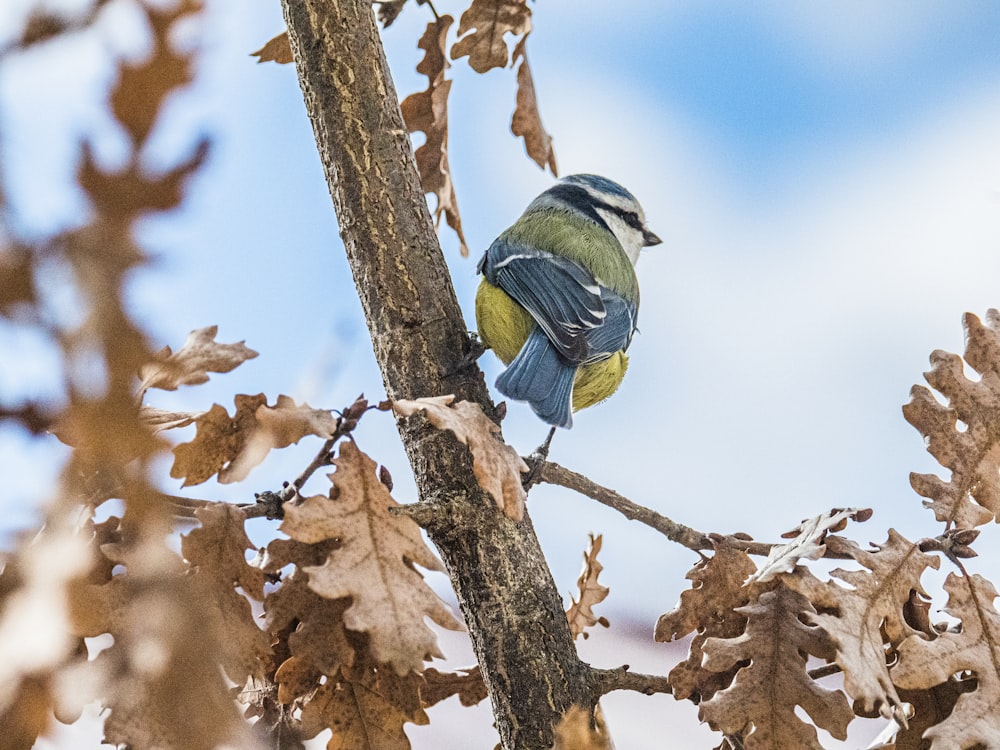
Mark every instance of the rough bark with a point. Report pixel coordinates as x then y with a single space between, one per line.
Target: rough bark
506 592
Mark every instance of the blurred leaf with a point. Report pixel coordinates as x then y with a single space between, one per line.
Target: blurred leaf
575 731
17 285
216 553
389 10
142 88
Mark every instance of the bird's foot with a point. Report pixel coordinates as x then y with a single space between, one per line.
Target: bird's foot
475 349
536 461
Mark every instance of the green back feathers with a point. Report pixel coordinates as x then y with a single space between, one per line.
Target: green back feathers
579 239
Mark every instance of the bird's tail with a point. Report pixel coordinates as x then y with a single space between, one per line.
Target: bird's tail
537 375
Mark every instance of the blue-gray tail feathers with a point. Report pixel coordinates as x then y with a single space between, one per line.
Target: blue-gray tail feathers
539 376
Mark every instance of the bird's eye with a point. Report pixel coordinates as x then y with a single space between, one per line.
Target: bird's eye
632 219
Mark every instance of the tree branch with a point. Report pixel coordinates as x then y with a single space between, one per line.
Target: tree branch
511 605
553 473
607 680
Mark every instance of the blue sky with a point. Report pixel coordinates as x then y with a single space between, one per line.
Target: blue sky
826 178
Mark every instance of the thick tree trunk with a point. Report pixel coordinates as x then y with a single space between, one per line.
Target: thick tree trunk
509 600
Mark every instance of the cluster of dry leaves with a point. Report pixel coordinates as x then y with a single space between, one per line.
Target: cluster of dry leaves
325 627
482 32
759 629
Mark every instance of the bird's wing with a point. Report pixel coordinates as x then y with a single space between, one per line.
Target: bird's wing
616 334
584 320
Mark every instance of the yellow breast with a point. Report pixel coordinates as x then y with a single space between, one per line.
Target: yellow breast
504 327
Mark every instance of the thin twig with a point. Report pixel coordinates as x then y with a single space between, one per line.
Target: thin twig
553 473
606 680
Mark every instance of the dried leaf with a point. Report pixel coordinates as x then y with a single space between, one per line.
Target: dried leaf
374 564
319 637
388 11
190 365
366 709
296 678
710 606
276 50
232 446
930 706
581 614
467 684
482 29
527 120
427 112
163 419
975 648
165 640
143 87
807 545
17 284
776 642
497 466
575 731
973 455
122 197
856 617
216 553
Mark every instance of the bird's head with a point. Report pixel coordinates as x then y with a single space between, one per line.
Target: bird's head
608 203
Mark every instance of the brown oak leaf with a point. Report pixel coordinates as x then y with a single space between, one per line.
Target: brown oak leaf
482 28
427 112
190 364
374 564
581 614
366 708
276 50
875 601
296 678
17 284
232 446
576 731
807 542
216 553
497 466
971 497
319 637
975 649
775 642
467 684
710 607
527 120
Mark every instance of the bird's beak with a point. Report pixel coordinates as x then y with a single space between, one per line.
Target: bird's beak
648 238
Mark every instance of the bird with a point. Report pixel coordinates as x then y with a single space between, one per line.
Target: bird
559 297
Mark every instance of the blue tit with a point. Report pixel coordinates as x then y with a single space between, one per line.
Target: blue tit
559 297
